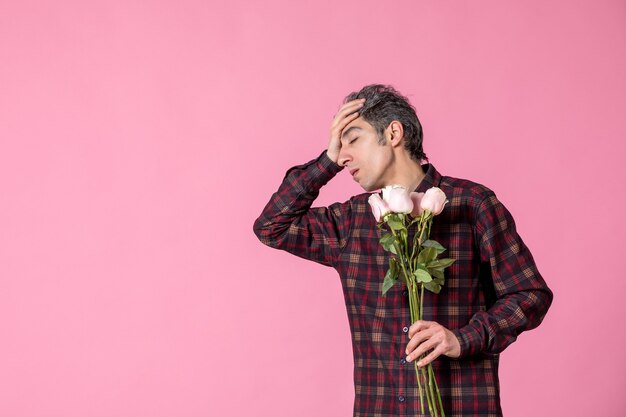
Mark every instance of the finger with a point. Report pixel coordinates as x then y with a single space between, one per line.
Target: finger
423 348
349 108
337 128
419 326
339 119
343 119
347 120
429 358
352 103
418 339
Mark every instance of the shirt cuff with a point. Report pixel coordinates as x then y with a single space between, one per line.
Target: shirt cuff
319 170
470 340
327 165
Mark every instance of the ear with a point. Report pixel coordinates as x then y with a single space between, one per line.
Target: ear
395 133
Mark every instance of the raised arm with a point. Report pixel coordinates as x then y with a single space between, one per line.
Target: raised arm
288 221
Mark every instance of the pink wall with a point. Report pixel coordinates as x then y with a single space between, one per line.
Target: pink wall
139 141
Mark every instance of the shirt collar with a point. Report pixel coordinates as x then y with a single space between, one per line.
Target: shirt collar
432 178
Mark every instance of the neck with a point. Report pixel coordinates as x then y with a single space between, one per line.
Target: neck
407 172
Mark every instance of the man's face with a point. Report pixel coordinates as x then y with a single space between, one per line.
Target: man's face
367 161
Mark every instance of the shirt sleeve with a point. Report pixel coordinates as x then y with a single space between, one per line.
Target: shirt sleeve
288 221
522 297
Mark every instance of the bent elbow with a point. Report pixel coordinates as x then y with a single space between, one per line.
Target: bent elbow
261 229
257 228
267 232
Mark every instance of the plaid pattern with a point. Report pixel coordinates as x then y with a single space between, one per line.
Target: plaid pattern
492 293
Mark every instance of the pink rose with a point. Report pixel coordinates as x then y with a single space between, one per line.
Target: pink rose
398 199
417 201
434 200
379 207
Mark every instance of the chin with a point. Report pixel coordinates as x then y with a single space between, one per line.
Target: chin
368 187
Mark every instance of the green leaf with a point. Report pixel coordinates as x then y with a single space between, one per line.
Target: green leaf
427 255
434 244
438 275
395 224
387 241
433 287
394 268
390 278
436 272
422 276
441 263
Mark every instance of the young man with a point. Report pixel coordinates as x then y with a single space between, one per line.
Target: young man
492 293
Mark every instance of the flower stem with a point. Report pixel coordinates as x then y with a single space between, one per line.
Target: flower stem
421 300
408 259
434 381
429 392
419 386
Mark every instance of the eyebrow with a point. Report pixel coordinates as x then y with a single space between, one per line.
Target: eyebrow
347 131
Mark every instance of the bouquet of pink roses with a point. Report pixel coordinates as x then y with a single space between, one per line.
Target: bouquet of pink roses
417 264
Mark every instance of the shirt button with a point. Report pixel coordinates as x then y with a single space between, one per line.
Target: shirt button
401 398
402 361
405 293
405 329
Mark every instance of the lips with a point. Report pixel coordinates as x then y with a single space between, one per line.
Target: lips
353 171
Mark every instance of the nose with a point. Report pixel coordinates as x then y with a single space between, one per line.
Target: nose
344 157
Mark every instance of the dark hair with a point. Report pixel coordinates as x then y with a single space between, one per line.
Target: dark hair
383 104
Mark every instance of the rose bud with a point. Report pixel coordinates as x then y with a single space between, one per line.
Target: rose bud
434 200
379 207
398 199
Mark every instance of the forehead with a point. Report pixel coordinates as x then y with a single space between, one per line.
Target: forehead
358 125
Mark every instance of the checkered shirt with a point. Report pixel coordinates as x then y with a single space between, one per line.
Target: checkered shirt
492 292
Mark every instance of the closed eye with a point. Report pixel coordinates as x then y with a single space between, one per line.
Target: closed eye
353 140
